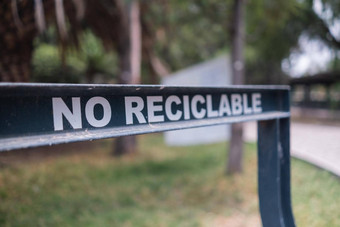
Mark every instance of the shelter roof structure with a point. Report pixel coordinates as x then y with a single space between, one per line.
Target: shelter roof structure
320 78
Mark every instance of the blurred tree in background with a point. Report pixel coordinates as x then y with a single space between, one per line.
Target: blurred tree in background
90 63
175 34
47 67
187 32
273 31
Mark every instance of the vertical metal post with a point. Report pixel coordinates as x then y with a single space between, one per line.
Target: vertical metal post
274 173
284 124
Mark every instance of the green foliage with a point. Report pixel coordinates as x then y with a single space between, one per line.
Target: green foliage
273 30
160 186
47 67
188 32
94 57
315 200
81 64
269 30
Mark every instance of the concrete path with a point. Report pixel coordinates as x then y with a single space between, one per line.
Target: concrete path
314 143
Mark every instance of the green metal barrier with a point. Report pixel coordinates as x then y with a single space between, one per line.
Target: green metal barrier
45 114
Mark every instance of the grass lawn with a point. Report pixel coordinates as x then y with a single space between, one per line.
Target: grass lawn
160 186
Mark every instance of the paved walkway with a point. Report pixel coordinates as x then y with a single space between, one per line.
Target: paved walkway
314 143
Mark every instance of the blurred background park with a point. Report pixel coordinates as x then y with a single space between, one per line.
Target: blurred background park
157 180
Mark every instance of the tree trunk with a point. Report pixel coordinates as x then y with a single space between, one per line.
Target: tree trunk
129 51
236 142
15 64
16 40
125 145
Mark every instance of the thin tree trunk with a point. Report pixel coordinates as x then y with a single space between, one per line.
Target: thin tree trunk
129 51
136 41
236 142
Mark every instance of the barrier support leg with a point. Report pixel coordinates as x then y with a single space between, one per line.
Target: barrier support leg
274 173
